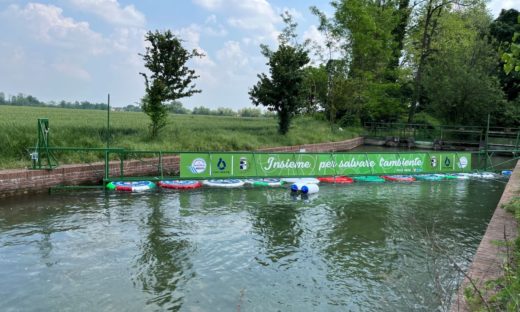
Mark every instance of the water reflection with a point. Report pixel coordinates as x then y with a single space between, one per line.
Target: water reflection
361 247
163 265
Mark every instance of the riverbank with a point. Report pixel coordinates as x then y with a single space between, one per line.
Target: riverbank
23 181
488 263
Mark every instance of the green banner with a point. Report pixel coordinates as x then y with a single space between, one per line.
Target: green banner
243 165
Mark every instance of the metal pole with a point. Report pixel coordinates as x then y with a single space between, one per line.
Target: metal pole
107 165
486 142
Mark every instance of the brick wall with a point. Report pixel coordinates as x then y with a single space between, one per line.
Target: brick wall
17 182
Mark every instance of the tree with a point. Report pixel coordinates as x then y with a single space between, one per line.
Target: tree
282 91
170 79
458 83
373 32
503 30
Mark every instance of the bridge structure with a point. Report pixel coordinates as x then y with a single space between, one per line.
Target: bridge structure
488 142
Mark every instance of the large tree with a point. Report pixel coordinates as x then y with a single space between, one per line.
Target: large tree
458 82
374 31
169 78
282 91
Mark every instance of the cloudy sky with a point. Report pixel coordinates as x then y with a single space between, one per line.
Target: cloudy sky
85 49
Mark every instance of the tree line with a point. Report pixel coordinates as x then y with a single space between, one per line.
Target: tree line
431 61
174 107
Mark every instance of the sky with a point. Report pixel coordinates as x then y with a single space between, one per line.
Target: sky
78 50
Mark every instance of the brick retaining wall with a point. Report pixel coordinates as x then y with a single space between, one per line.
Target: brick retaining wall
491 253
17 182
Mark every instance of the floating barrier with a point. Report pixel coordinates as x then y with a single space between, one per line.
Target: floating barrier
430 177
337 180
228 183
264 182
180 184
448 176
399 178
301 180
482 175
368 179
136 186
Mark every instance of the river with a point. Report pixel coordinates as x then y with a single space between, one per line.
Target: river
359 247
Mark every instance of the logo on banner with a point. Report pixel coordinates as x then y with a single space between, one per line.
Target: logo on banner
433 161
463 162
198 165
447 161
221 165
243 163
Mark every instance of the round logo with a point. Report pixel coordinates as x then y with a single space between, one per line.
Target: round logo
198 165
463 162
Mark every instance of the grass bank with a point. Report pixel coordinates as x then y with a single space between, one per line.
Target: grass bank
87 128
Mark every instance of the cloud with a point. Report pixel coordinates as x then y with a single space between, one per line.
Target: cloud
112 12
209 4
497 5
233 57
252 15
46 24
72 70
53 56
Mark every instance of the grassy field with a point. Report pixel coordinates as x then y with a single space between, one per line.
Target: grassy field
87 128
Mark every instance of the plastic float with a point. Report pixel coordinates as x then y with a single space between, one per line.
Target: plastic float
429 177
399 178
368 179
482 175
264 182
447 176
135 186
337 180
301 180
507 172
461 176
296 187
304 188
228 183
310 189
180 184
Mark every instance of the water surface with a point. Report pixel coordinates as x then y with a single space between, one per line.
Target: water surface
360 247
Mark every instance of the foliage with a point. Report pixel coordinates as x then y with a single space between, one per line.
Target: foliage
176 107
87 128
249 112
503 30
170 78
282 91
368 89
29 100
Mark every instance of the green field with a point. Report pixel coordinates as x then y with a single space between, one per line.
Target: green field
129 130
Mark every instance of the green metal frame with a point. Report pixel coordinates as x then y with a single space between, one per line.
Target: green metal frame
42 156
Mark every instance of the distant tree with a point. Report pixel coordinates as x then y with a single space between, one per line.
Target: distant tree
250 112
282 91
176 107
132 108
170 78
201 111
223 111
